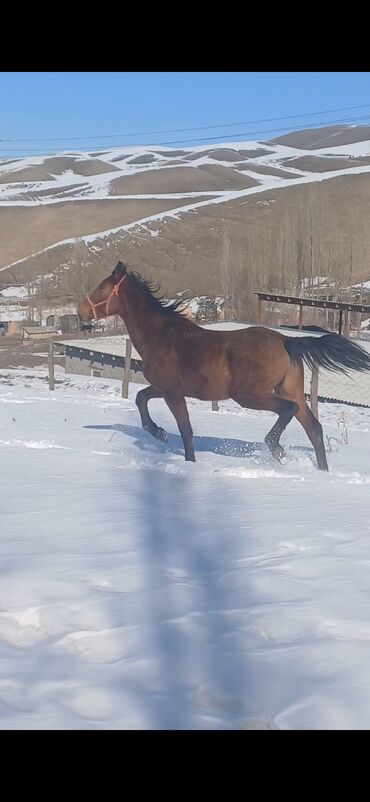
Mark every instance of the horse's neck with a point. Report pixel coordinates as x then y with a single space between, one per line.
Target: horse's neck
140 319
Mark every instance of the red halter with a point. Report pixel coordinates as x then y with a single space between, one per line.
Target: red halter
114 291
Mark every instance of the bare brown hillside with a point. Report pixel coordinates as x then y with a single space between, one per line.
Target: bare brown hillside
320 164
269 236
181 179
24 230
270 240
329 137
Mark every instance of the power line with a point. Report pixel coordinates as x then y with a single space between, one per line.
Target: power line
234 137
273 130
195 128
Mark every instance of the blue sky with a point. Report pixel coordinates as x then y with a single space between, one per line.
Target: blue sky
63 106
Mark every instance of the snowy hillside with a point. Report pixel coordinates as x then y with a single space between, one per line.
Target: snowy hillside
140 591
132 188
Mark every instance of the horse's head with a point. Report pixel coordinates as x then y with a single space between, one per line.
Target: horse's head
103 301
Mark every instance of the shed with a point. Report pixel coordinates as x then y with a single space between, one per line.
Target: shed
101 356
32 333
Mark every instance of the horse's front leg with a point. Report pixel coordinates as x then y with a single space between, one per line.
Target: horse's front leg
147 423
178 407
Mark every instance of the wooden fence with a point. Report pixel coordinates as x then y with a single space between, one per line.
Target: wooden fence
129 377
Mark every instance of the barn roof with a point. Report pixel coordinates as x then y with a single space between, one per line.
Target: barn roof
112 346
40 329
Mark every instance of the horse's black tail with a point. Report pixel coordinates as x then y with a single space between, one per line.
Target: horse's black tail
331 351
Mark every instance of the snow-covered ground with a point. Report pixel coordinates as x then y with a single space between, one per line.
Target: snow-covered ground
140 591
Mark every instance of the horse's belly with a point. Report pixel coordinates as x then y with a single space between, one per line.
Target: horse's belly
213 386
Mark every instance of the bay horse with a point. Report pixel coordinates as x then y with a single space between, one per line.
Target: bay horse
257 367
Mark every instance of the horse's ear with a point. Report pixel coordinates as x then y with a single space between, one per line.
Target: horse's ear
119 271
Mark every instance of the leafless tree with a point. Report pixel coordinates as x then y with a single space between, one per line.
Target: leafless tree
79 280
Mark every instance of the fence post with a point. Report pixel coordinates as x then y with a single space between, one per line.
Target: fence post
259 310
340 321
314 392
51 364
300 316
347 323
127 369
215 406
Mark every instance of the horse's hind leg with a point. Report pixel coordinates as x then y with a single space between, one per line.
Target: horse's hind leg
313 430
292 387
284 409
272 438
147 423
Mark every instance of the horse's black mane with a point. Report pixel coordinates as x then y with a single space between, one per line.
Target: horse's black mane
150 290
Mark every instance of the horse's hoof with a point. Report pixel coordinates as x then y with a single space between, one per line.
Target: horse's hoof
281 456
162 435
277 451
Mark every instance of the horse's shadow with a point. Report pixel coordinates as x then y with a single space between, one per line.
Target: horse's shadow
227 447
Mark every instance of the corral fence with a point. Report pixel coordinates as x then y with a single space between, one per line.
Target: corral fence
119 360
